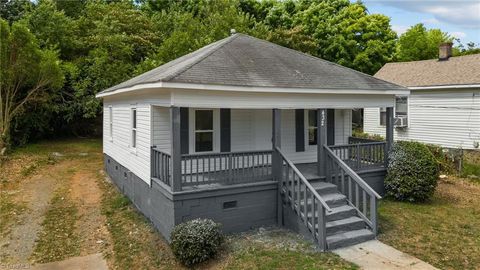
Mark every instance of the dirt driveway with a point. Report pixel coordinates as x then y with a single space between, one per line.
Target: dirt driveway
32 183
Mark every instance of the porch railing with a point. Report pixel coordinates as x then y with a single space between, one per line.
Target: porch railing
160 165
361 155
226 168
304 200
359 194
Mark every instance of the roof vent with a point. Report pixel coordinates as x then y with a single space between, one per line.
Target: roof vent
233 31
445 51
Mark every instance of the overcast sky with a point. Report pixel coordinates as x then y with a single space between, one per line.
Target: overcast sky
460 18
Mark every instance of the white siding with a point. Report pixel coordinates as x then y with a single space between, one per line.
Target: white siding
119 147
252 130
448 119
161 128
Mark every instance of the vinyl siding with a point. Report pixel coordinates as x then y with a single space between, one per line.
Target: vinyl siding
447 118
118 146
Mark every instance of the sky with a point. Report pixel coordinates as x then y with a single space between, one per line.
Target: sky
460 18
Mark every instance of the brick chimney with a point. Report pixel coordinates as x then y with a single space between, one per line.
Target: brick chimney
445 51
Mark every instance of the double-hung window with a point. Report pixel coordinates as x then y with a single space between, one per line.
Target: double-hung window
203 133
134 127
312 127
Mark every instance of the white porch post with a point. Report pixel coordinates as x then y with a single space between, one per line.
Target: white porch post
176 151
321 141
388 133
276 159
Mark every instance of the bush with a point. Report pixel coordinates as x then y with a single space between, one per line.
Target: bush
196 241
412 172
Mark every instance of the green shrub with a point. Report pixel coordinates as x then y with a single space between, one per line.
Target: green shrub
412 172
196 241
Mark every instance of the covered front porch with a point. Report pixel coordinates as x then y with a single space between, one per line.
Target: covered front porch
191 170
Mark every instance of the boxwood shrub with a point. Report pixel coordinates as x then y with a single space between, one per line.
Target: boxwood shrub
196 240
412 172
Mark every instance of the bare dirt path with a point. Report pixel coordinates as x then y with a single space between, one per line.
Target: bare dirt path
75 176
36 193
94 235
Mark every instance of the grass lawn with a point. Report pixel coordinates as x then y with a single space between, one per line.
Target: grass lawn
444 232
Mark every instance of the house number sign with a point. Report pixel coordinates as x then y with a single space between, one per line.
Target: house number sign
322 122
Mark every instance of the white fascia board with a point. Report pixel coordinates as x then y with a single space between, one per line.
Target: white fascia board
252 89
456 86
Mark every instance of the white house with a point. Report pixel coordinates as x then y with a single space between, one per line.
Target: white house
249 133
444 103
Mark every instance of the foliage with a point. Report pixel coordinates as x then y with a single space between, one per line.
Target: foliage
359 134
418 43
28 74
102 43
196 241
412 173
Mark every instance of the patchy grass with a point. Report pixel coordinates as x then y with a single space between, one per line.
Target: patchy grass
9 212
136 245
57 240
274 248
471 166
444 232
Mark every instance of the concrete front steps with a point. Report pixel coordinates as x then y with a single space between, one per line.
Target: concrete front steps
344 227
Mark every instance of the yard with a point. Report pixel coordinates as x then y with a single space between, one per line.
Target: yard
56 203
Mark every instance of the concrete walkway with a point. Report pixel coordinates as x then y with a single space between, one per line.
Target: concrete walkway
89 262
376 255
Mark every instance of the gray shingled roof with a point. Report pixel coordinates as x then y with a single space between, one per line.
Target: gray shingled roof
461 70
241 60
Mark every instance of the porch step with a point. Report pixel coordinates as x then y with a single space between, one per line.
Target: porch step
335 199
343 239
324 188
340 212
347 224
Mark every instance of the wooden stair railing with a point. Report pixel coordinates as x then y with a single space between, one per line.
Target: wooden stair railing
303 198
359 194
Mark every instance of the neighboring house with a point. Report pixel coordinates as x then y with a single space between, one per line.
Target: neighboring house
237 131
444 103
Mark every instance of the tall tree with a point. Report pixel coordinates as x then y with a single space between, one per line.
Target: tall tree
26 73
418 43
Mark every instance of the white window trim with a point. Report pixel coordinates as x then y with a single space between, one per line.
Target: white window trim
110 122
132 129
192 131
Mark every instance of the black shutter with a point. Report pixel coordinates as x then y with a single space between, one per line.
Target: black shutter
330 126
225 133
184 130
300 130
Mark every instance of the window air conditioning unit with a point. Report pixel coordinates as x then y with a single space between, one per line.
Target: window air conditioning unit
400 122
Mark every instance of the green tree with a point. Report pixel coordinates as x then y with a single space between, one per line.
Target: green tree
26 73
418 43
13 10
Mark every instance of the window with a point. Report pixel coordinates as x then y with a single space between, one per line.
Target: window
383 116
401 106
203 130
312 127
401 109
134 127
110 119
